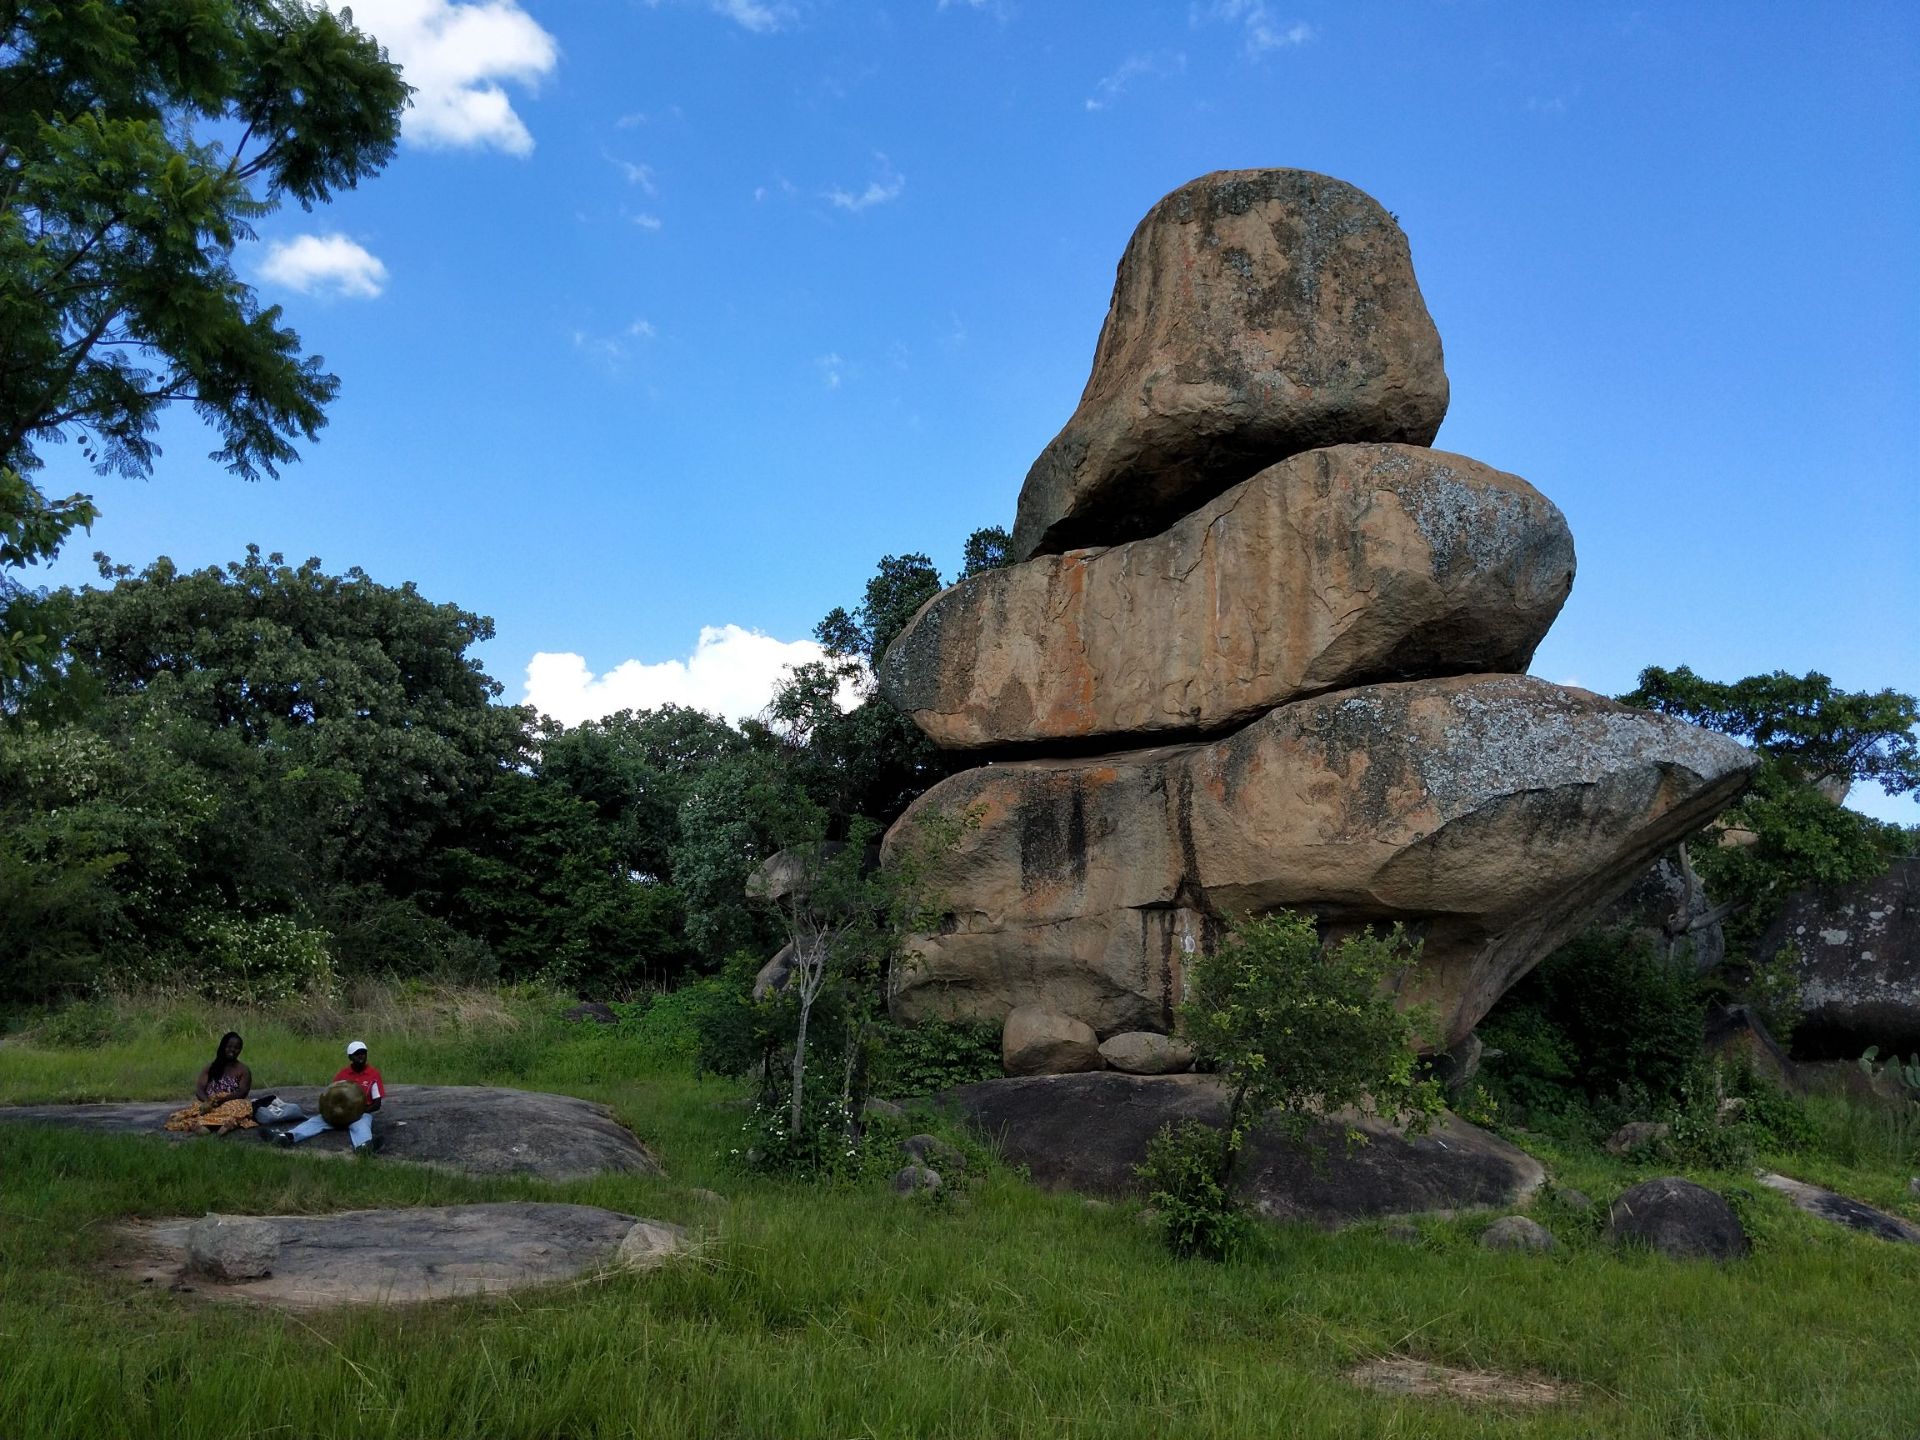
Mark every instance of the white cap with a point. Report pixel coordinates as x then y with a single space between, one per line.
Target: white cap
355 1045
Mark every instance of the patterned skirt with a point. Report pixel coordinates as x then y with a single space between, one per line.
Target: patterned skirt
218 1116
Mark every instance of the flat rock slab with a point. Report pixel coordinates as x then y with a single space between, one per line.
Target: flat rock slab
400 1257
1397 1376
477 1129
1843 1210
1087 1132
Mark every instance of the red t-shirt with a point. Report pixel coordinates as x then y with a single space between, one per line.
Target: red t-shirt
367 1079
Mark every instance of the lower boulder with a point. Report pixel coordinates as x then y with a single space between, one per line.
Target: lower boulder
1493 814
1087 1133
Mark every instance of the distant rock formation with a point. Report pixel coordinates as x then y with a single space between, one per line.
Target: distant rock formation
1859 964
1292 635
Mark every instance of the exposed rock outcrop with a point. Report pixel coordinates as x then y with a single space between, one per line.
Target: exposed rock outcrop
398 1257
1859 964
1038 1041
1493 813
478 1129
1339 567
1086 1133
1678 1219
1239 552
1255 314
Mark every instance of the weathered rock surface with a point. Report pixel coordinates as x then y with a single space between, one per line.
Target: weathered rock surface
1670 908
232 1247
482 1130
1087 1133
1143 1052
1843 1210
1255 314
1492 813
1517 1232
1335 568
1678 1219
402 1256
1039 1041
1859 964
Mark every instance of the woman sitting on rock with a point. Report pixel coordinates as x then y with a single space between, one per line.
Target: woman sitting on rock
220 1094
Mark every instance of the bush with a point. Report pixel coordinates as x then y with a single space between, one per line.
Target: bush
1295 1030
1198 1214
256 961
1601 1020
935 1055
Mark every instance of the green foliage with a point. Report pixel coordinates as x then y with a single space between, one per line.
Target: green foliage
1819 734
1194 1205
140 145
933 1055
1725 1115
1773 988
1815 742
988 548
1600 1021
257 961
1892 1071
1295 1030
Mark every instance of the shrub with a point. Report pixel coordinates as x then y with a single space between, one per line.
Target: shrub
934 1055
1295 1030
256 961
1602 1019
1197 1212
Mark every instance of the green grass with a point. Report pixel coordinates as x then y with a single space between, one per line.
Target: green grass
846 1312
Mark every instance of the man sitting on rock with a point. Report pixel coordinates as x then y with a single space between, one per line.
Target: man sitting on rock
359 1130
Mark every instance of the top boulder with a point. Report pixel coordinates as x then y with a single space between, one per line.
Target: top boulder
1255 314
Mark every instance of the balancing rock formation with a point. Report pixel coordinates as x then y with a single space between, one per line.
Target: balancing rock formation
1261 648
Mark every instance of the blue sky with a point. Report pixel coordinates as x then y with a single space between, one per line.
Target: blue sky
675 317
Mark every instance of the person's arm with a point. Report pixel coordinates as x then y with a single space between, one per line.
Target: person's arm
378 1094
200 1085
245 1076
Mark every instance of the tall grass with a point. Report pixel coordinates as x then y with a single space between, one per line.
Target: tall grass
848 1312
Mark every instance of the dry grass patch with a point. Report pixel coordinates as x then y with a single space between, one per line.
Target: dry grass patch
1400 1375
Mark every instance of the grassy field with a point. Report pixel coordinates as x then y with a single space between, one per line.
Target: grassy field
840 1312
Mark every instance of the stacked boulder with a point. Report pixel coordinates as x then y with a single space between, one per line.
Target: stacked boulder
1260 647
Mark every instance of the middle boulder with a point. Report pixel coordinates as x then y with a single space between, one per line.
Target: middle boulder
1340 567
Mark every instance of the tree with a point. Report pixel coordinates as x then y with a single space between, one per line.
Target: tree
1788 832
138 145
1296 1031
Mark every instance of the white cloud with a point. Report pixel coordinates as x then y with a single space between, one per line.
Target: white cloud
457 57
1111 87
648 222
1263 33
642 330
641 175
830 366
324 265
754 15
887 187
731 672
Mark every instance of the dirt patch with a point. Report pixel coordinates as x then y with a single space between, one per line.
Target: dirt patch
1401 1376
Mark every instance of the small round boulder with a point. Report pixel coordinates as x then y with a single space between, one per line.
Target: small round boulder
1037 1041
1143 1052
915 1180
1678 1219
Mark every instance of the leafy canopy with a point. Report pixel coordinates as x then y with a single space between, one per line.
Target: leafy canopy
138 145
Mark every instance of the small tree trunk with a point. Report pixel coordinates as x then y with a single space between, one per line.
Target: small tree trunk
800 1062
